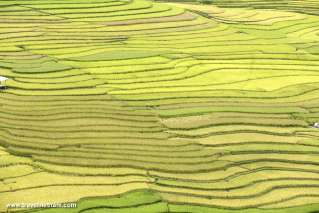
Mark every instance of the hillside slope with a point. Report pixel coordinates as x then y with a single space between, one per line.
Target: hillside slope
137 106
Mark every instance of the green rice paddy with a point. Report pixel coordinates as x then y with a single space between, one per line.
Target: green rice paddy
145 106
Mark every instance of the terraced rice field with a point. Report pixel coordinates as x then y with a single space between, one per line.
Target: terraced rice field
139 106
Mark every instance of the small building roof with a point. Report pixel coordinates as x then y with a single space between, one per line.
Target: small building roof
2 78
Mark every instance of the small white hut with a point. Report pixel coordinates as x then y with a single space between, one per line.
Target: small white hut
316 125
2 81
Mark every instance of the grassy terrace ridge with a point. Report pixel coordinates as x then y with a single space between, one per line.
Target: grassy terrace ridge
160 106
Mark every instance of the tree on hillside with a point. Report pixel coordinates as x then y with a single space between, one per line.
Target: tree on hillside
205 1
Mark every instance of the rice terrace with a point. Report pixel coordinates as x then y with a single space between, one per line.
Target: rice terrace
140 106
